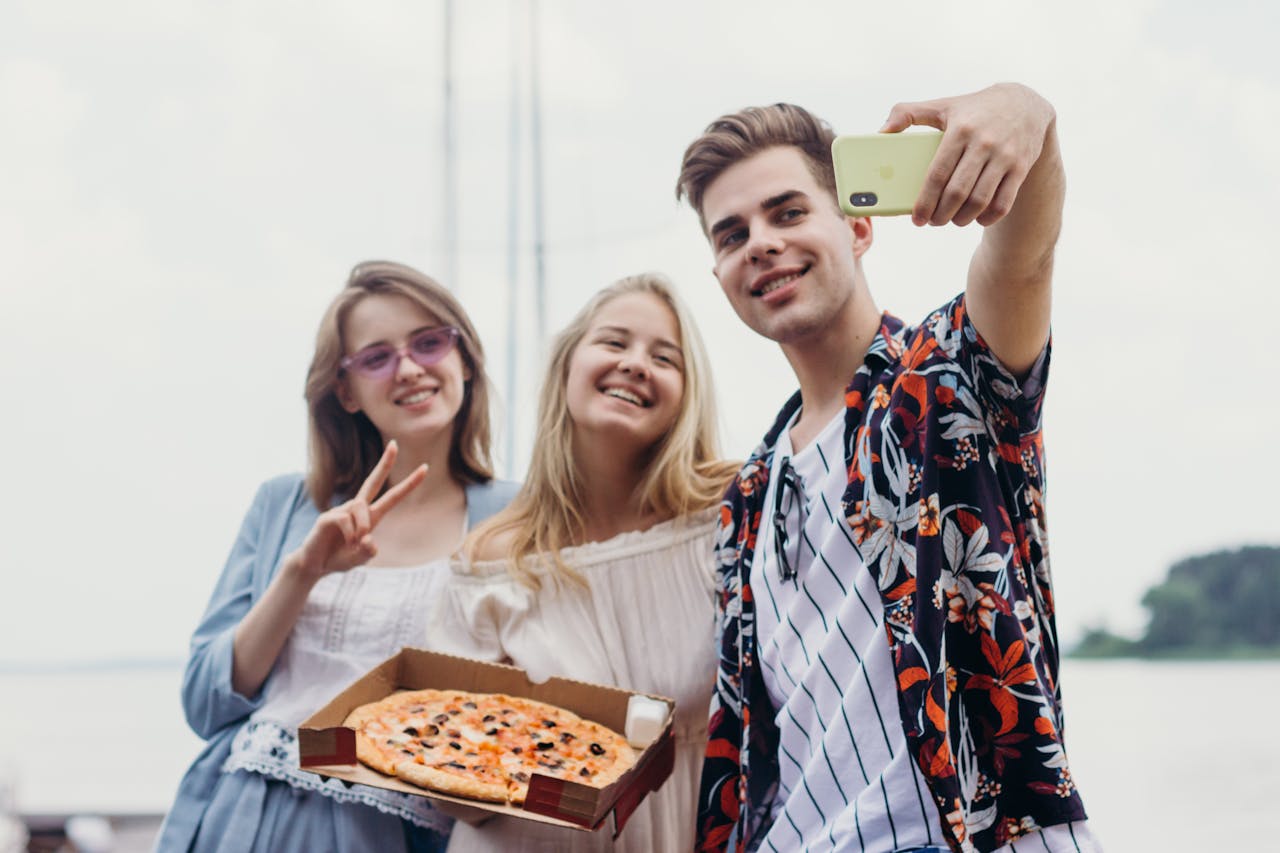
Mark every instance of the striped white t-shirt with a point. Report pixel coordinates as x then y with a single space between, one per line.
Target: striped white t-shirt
846 778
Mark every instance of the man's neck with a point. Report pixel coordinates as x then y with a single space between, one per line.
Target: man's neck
824 363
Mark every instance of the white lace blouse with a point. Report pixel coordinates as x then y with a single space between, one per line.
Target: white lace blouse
644 621
351 621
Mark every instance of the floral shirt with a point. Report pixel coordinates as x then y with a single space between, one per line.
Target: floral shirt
945 505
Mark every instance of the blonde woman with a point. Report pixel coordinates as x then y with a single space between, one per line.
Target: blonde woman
601 567
329 572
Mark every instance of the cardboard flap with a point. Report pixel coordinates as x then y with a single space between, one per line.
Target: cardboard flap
560 798
321 747
660 761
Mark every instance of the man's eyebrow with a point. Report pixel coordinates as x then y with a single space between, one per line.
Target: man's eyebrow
768 204
725 224
781 198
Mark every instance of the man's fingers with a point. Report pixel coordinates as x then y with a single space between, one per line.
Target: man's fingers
936 180
922 113
378 476
980 197
396 493
1003 200
961 186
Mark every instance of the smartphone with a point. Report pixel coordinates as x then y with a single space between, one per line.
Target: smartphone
881 174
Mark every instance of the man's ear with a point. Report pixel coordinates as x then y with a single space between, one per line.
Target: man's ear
860 228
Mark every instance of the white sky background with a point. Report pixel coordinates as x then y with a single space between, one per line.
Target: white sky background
183 187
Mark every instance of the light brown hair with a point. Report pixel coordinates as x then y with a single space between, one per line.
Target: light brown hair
735 137
344 447
684 473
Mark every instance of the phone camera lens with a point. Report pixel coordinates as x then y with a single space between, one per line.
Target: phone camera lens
863 199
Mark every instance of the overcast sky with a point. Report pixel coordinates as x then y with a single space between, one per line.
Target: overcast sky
183 187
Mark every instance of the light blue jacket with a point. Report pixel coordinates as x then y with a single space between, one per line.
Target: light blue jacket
281 516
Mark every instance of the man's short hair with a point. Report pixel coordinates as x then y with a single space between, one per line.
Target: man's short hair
737 136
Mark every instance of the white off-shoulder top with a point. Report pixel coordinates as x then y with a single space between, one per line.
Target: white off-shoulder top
644 621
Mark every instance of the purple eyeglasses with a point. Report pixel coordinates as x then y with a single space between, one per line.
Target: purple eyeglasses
426 348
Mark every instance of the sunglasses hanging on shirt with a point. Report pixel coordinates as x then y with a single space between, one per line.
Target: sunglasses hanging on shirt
787 498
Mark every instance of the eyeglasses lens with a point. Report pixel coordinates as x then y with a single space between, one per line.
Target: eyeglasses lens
426 348
431 346
375 361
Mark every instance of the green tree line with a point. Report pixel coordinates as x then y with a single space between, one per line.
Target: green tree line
1223 604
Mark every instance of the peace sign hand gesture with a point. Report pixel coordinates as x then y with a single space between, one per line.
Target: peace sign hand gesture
341 538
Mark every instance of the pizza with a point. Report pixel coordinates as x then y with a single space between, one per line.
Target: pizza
484 746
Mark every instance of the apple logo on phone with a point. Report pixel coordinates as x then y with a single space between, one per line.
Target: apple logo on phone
886 172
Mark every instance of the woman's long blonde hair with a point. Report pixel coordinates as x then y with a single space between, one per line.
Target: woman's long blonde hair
344 447
685 472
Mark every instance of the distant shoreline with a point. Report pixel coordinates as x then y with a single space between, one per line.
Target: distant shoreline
63 667
1238 653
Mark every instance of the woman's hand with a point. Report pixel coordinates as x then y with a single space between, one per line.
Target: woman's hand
340 540
342 537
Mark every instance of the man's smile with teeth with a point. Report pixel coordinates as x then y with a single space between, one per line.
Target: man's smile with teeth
416 398
773 285
623 394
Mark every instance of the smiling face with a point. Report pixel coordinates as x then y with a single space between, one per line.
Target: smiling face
626 375
414 402
785 256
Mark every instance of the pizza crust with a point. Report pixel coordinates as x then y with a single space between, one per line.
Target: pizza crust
449 783
369 752
608 775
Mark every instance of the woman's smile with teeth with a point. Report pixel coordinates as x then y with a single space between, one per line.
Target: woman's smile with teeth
622 394
415 398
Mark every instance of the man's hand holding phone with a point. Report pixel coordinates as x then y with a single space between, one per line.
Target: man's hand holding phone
991 140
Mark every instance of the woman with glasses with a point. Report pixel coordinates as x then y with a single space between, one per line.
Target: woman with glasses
601 568
330 572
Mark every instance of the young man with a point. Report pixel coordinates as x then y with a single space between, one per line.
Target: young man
889 661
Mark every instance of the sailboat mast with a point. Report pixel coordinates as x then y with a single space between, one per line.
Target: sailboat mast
539 233
513 240
450 183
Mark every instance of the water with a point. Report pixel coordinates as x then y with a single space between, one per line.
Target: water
110 741
1177 757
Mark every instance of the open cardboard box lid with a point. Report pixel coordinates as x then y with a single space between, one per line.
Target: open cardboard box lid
328 748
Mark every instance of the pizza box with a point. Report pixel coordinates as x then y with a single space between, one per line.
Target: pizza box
328 748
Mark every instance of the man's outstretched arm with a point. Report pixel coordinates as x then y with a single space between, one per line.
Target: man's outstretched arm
998 165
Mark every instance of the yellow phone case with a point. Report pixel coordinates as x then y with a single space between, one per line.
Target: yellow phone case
881 174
